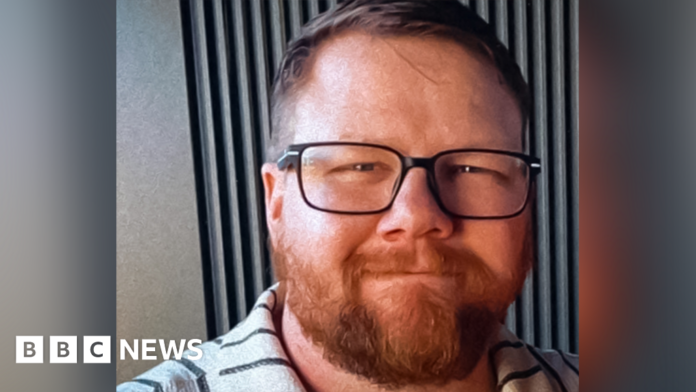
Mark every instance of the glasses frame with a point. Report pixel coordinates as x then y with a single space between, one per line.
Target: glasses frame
292 157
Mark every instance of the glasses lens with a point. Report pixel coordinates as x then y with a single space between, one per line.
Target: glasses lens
479 184
347 178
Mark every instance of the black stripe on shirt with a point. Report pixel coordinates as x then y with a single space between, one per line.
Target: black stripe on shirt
275 299
548 367
262 306
244 339
256 364
518 376
567 362
198 372
157 387
504 344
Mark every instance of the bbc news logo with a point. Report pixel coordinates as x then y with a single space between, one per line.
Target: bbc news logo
97 349
63 349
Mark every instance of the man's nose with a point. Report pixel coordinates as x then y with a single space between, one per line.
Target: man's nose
415 212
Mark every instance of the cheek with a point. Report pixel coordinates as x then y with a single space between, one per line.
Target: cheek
502 244
320 238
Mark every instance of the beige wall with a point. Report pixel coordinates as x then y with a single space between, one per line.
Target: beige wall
159 279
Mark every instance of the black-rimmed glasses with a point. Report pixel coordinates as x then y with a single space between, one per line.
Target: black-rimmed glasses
360 178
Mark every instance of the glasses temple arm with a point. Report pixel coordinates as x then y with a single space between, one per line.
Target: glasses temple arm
288 159
536 167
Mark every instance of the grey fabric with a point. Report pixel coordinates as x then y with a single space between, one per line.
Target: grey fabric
251 358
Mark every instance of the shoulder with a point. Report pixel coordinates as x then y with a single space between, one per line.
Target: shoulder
559 366
522 367
249 357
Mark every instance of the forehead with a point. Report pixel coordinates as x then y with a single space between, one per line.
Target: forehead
418 95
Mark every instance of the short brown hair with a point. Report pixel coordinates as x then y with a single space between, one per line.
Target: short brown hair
446 19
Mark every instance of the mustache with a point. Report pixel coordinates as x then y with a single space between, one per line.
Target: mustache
426 260
470 270
442 261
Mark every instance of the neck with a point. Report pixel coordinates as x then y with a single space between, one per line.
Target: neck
319 375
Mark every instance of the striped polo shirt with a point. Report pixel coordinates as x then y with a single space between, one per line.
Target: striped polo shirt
251 358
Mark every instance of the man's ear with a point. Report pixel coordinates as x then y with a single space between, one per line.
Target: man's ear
274 190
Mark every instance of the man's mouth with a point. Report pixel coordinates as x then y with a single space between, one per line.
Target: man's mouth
407 274
434 279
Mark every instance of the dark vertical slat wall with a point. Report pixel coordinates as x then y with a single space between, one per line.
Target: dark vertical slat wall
251 138
539 126
295 12
313 8
572 64
235 49
501 27
277 27
501 21
482 7
560 179
525 327
201 95
232 231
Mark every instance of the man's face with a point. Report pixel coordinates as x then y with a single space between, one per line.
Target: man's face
413 276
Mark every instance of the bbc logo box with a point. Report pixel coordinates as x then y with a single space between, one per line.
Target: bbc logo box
96 349
29 349
63 349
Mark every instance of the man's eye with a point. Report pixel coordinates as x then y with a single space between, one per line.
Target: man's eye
362 167
356 167
469 169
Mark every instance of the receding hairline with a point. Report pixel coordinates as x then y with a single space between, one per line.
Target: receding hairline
471 45
477 53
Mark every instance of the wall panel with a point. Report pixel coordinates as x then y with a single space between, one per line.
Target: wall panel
159 270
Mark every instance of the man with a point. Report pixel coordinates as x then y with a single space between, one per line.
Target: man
398 206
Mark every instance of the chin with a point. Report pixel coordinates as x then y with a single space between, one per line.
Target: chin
408 306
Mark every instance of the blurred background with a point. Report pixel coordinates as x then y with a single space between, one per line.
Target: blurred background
58 180
57 186
193 84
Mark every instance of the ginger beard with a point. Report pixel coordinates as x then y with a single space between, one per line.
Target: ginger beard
409 333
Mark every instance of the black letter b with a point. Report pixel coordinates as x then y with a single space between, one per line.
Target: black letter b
29 347
63 350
